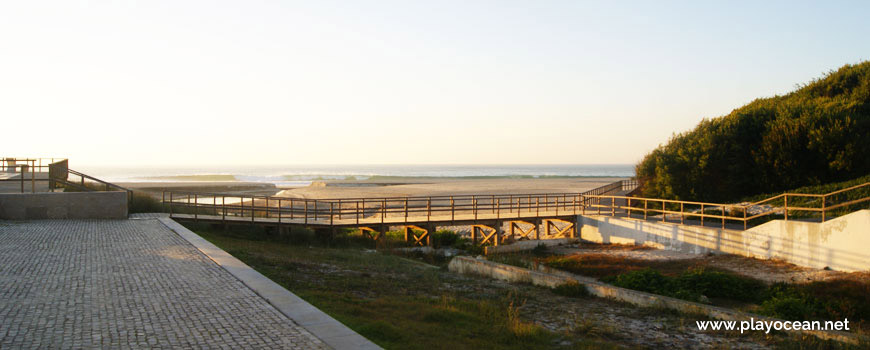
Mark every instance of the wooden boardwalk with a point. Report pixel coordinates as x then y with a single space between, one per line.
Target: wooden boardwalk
494 218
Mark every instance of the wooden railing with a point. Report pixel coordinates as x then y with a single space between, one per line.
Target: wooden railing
748 214
57 173
396 210
28 168
87 183
353 211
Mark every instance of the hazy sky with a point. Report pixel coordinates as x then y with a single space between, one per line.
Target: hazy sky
392 82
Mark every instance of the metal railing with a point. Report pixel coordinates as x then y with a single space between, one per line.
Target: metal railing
356 211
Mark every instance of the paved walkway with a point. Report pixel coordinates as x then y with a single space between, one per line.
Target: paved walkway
127 284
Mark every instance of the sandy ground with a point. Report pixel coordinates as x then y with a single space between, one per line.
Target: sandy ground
436 187
229 187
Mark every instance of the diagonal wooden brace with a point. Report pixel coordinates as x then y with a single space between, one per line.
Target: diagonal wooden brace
418 240
370 233
566 231
523 234
493 234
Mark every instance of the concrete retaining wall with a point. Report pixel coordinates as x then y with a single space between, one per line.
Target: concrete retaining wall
63 205
839 243
550 278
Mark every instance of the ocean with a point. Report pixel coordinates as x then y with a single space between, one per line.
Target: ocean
298 175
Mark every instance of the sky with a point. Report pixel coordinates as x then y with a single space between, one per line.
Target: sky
171 83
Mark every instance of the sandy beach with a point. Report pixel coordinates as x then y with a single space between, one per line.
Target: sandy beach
438 187
376 188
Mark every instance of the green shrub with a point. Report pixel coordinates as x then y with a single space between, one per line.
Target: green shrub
572 290
647 280
720 285
144 203
443 238
814 135
541 250
692 284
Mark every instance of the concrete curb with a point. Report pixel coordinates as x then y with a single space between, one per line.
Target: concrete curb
550 278
332 332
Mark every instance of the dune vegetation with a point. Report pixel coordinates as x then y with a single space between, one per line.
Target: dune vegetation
814 135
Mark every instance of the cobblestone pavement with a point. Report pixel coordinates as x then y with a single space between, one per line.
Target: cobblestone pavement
126 284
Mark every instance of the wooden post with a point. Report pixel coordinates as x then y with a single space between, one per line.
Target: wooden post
663 211
644 208
628 207
786 207
428 208
574 204
498 208
702 214
612 206
279 215
557 205
305 212
267 207
681 213
537 206
339 209
331 212
252 210
452 210
723 215
357 213
823 208
406 209
384 211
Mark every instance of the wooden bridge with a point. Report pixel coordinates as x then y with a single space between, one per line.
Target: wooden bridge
526 216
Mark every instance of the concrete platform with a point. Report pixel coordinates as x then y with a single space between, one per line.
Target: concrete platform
132 284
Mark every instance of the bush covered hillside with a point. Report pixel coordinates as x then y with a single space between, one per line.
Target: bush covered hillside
817 134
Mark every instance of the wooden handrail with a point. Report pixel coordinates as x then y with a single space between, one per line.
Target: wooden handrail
479 207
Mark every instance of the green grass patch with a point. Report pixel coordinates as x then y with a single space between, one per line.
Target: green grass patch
395 302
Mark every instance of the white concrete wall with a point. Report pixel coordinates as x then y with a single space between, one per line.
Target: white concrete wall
841 243
63 205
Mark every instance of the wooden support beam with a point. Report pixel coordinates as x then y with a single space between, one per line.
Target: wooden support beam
418 239
487 233
371 233
567 231
523 234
